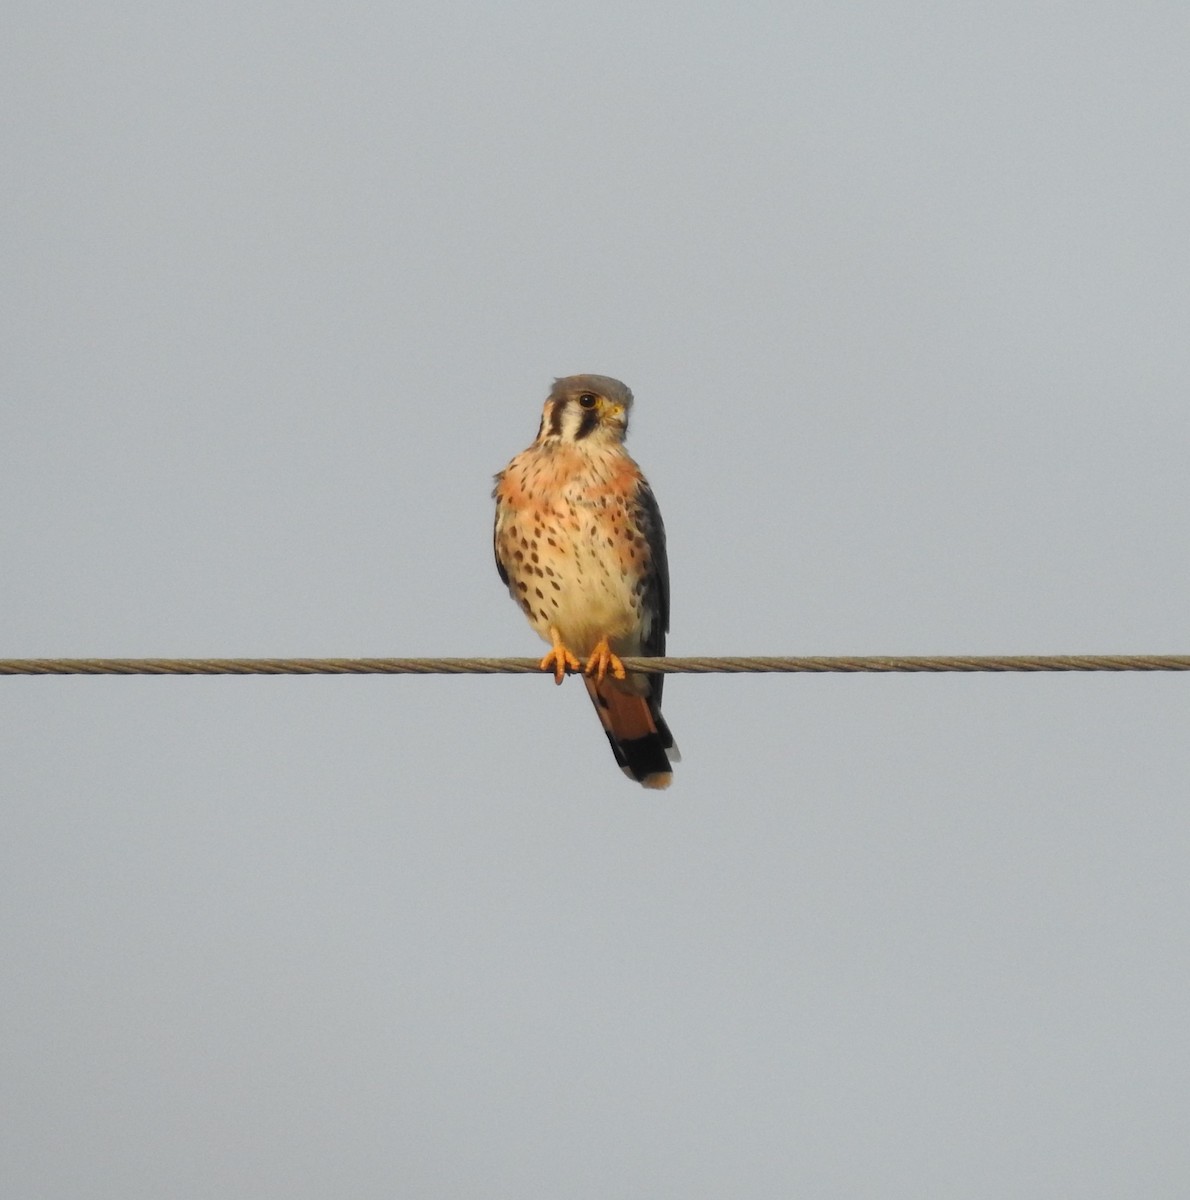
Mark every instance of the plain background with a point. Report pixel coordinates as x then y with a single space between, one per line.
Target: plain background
903 290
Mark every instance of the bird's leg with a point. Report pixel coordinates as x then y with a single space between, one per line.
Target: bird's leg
559 659
601 660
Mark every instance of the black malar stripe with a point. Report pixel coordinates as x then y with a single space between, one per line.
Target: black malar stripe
588 424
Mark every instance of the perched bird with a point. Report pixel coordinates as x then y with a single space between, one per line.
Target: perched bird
580 544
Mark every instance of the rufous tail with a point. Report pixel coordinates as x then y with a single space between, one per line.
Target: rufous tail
639 736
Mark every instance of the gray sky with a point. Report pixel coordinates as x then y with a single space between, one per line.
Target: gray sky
903 292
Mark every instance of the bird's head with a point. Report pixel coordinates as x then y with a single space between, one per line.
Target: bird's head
584 408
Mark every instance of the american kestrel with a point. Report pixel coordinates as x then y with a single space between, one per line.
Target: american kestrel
580 544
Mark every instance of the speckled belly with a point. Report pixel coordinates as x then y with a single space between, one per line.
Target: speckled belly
576 567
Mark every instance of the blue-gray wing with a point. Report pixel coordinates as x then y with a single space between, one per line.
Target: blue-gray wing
655 596
496 530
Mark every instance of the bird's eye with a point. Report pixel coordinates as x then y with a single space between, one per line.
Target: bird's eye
586 400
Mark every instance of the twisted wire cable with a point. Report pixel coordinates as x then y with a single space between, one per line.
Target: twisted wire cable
527 666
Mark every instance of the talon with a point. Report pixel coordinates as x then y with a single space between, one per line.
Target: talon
559 660
602 659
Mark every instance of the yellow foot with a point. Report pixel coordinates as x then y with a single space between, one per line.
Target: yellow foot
601 660
559 659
